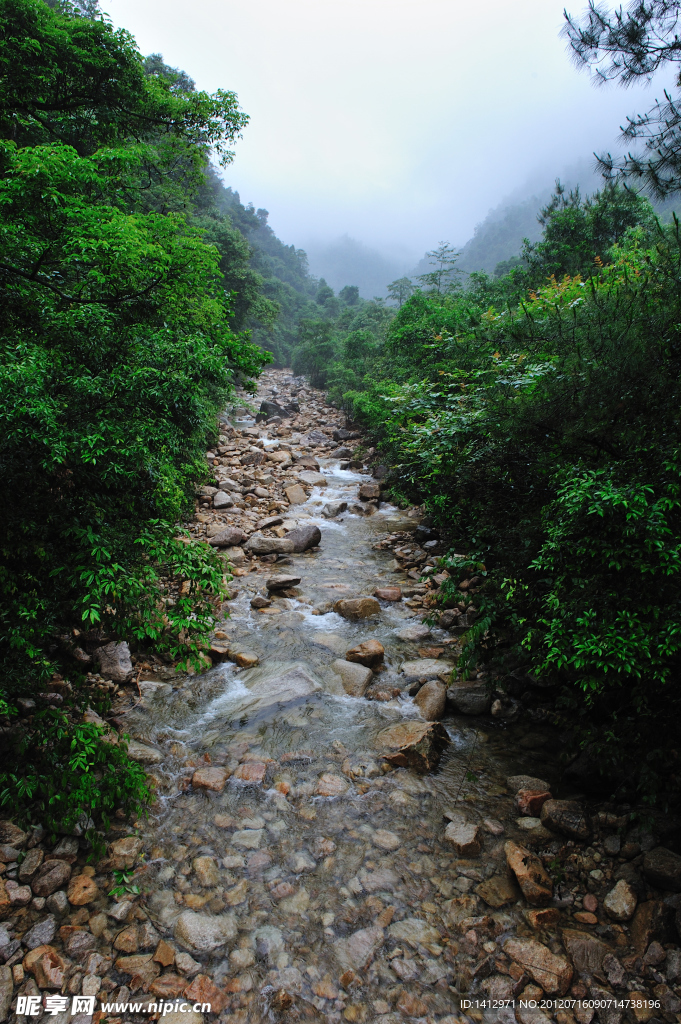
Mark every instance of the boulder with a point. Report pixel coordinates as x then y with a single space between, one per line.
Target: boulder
369 491
222 500
296 494
270 409
662 868
535 883
369 653
312 479
424 668
567 817
355 677
431 700
356 608
334 508
114 662
202 933
470 698
388 593
413 744
261 545
227 538
464 836
305 537
272 684
275 583
620 903
553 973
342 434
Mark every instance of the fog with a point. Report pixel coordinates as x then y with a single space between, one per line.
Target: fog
397 124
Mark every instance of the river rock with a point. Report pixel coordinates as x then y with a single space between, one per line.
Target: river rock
274 683
114 661
414 633
30 864
124 852
413 744
662 868
370 653
497 891
296 494
259 544
431 700
222 500
46 966
620 903
41 933
81 891
270 409
415 932
464 836
235 556
652 920
334 508
312 479
567 817
358 950
355 677
586 951
553 973
530 801
6 991
229 537
423 668
517 782
305 537
388 593
201 933
12 835
535 883
206 871
470 698
213 778
356 608
143 753
52 875
369 491
282 582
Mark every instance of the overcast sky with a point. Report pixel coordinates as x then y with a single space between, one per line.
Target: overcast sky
398 123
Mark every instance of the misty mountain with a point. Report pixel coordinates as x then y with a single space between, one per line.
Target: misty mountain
347 261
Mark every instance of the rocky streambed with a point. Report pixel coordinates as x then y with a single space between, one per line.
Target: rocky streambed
344 829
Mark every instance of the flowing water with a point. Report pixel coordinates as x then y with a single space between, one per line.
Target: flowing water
350 905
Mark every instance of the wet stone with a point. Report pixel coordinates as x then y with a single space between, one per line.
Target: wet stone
620 903
662 868
535 883
211 778
464 837
414 744
431 700
566 817
330 784
356 608
370 653
355 677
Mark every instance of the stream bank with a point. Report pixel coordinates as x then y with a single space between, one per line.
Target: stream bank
296 865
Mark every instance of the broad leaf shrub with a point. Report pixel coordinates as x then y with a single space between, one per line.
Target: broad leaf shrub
544 437
117 356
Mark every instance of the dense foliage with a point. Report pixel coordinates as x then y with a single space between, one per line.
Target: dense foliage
121 291
537 416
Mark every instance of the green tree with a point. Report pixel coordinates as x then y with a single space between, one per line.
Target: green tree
400 290
443 259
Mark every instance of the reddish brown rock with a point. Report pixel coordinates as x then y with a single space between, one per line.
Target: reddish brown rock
431 700
141 967
530 801
252 772
165 954
82 890
211 778
388 593
52 875
413 744
547 917
5 901
369 653
124 852
127 940
330 784
168 986
356 608
46 966
535 883
203 990
586 951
